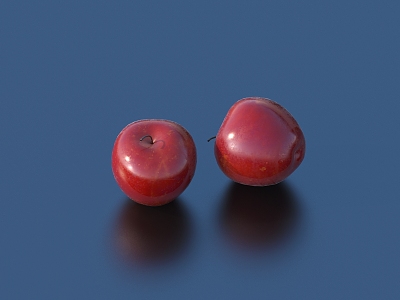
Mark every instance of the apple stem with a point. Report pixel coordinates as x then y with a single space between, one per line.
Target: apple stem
149 136
211 138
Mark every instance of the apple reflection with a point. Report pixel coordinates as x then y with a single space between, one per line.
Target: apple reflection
258 218
147 236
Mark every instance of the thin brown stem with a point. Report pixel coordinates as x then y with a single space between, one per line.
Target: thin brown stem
149 136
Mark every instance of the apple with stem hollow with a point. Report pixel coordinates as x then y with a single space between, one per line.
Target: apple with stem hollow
153 161
259 142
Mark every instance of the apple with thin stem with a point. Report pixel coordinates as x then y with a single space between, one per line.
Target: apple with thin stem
153 161
259 142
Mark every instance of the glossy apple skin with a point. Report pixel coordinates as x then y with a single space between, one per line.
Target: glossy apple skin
153 171
259 143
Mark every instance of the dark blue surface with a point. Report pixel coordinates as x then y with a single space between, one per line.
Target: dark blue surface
73 74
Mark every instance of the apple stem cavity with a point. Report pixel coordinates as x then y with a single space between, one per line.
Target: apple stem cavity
147 136
211 138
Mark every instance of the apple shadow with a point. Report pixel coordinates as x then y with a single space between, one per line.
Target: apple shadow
259 218
149 236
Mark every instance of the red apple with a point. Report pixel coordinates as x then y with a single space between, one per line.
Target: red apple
153 161
259 143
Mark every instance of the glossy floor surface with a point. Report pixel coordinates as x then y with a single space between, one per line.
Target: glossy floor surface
73 75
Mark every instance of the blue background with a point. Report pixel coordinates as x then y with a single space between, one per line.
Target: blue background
74 73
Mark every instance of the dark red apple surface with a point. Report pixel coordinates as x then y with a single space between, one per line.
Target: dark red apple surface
259 143
153 161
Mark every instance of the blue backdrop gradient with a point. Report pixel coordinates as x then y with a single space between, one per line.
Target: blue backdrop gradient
74 73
